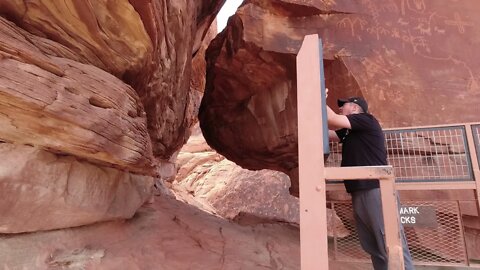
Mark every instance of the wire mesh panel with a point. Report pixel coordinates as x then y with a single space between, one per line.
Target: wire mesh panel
347 248
335 156
429 154
424 154
442 244
476 139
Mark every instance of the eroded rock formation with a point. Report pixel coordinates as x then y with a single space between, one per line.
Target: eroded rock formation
414 61
96 97
407 58
165 235
248 197
176 30
99 89
43 191
50 102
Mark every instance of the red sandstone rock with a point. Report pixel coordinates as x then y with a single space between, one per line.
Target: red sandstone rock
248 197
176 30
197 80
109 35
44 191
409 60
105 82
166 235
79 110
414 61
137 41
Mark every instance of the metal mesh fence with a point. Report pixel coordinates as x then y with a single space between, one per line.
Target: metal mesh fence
476 139
347 248
438 154
442 244
424 154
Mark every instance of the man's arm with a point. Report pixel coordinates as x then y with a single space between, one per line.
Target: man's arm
337 121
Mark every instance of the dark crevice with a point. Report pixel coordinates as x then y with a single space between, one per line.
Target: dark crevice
72 90
132 114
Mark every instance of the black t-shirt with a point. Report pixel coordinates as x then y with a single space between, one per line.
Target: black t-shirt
363 145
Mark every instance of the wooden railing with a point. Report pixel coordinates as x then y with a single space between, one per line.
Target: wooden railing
313 173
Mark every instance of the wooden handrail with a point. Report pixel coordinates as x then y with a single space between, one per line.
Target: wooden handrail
354 173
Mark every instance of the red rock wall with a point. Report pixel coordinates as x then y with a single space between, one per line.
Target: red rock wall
409 59
176 30
102 82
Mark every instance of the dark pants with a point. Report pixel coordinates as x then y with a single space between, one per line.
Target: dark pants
367 208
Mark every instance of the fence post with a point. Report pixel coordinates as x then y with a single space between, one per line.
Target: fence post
474 160
391 220
311 175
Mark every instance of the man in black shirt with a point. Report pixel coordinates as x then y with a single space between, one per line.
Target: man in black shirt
364 145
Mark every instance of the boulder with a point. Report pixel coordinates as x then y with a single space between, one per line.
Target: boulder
248 197
44 191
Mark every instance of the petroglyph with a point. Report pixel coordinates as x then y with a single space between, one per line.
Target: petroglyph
395 33
425 26
411 31
348 22
458 22
343 52
375 66
415 24
473 85
418 42
417 6
442 72
378 31
403 22
439 30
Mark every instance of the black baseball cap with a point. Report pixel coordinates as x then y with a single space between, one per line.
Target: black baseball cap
357 100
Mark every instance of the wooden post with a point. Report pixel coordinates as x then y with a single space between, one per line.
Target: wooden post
474 160
313 214
391 221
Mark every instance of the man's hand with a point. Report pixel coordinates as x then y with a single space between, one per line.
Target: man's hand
336 121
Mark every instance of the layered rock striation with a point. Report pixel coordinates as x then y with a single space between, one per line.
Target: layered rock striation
94 100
